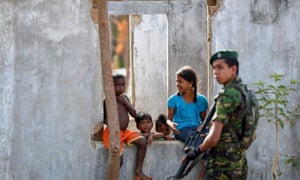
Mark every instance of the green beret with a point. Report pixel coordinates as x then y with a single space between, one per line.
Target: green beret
226 54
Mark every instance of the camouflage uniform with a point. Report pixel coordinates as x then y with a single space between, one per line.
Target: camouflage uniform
227 160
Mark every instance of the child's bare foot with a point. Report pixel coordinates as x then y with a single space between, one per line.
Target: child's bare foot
141 176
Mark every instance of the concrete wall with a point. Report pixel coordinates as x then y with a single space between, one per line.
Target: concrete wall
187 41
150 48
50 90
266 35
162 161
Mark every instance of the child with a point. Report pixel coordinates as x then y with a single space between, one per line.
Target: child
129 137
161 126
186 108
144 124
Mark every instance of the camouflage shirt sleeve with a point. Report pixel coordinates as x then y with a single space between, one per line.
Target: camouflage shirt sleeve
228 102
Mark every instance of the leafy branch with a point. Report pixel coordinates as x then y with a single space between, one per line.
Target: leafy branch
274 103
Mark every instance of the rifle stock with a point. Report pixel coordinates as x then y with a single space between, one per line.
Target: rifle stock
193 141
182 168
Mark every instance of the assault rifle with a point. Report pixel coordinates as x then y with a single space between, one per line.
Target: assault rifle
194 140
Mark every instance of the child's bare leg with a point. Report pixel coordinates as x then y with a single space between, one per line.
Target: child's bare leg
141 153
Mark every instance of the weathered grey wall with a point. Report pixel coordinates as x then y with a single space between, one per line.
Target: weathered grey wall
187 41
51 80
150 57
266 34
50 89
161 161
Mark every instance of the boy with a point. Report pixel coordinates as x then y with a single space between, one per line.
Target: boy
129 137
144 124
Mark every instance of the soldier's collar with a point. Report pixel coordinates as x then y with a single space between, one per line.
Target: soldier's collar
233 81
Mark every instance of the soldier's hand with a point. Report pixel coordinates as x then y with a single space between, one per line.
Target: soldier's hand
193 153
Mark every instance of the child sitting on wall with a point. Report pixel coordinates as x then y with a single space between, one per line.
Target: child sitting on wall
161 126
144 124
128 137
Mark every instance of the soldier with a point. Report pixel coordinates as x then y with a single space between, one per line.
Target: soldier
226 159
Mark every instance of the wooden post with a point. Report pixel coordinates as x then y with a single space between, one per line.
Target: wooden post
211 9
109 91
208 51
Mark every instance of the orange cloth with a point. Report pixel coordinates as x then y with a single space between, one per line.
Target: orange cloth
126 136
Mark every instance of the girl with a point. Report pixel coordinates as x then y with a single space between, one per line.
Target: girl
186 108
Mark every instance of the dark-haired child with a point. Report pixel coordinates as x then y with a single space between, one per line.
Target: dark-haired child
144 124
161 126
127 136
187 107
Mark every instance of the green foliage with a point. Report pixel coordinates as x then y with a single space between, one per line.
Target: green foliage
274 107
274 102
292 160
